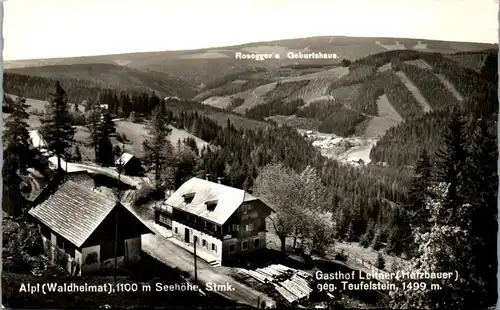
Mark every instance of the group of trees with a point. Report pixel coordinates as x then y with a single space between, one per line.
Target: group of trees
453 215
300 201
335 117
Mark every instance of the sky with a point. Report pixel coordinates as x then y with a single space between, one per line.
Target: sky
35 29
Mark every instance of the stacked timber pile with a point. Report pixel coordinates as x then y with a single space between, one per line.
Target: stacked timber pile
292 284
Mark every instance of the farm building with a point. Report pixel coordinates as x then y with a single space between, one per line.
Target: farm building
131 165
38 141
225 222
78 227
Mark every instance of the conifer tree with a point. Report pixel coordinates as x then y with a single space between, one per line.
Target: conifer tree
106 130
418 192
377 240
481 193
450 159
56 125
16 135
158 149
18 156
380 263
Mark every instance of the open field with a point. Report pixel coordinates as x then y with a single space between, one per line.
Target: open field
136 134
36 107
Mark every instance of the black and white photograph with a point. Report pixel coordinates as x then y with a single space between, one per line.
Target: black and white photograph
266 154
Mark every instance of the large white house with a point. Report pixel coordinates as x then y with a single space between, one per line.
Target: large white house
225 222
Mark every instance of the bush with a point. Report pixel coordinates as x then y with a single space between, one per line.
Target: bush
380 263
91 258
341 256
145 194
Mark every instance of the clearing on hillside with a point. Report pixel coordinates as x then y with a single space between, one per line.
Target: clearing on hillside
419 63
449 86
388 117
391 47
333 73
137 133
316 89
386 110
415 91
385 67
253 97
218 102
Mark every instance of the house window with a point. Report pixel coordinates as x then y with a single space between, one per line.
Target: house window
214 247
244 245
256 242
249 227
231 248
235 227
244 209
204 243
176 231
165 220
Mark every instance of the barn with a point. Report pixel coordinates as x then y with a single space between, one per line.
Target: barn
131 165
78 227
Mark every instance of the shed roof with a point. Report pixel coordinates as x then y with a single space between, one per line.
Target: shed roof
228 199
74 212
124 159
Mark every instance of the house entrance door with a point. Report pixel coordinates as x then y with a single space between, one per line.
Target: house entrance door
186 235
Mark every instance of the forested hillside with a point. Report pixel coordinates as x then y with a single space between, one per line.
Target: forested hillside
112 75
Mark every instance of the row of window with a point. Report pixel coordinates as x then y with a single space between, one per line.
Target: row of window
246 208
196 239
244 245
247 227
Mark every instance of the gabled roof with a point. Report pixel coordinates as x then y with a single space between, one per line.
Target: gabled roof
124 159
74 212
228 199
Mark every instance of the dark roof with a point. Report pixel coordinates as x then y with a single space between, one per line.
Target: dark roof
74 212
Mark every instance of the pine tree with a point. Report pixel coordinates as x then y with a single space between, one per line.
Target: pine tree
77 157
418 193
349 236
450 159
56 126
481 194
158 149
105 131
18 156
377 240
16 135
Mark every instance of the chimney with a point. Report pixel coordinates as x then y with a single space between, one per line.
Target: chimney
207 177
219 180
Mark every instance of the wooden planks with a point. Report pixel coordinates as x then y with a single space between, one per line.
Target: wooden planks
290 283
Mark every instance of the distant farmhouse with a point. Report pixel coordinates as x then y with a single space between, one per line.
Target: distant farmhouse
131 165
78 229
225 222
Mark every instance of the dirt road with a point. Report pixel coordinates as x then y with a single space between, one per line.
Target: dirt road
173 256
